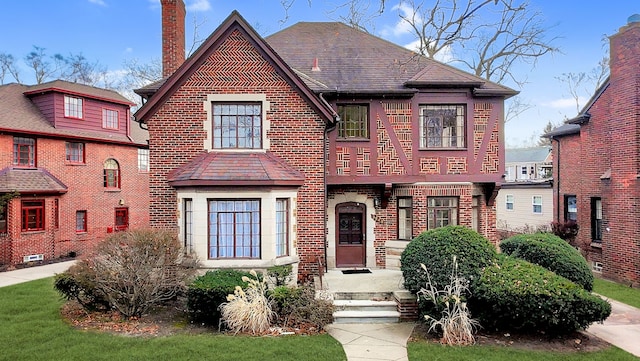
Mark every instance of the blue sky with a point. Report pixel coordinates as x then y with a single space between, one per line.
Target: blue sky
112 31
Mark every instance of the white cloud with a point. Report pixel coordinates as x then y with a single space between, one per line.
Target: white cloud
564 103
199 5
401 27
98 2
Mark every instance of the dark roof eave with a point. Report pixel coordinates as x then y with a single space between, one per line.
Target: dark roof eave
563 131
36 191
507 93
75 137
231 182
580 119
80 94
368 93
443 84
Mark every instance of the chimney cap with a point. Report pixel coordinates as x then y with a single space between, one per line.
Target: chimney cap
635 18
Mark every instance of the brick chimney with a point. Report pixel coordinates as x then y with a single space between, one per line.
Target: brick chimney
173 51
625 64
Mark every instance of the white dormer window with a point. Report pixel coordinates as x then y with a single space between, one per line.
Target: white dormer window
72 107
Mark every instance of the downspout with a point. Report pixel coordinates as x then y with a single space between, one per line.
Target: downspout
557 180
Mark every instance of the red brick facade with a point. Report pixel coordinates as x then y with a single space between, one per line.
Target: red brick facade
601 160
85 189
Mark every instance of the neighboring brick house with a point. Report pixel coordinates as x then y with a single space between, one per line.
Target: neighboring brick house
597 165
79 163
525 200
318 145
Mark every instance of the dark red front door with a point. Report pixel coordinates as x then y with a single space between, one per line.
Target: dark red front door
350 235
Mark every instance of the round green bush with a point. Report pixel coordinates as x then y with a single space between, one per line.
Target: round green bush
435 249
516 295
552 253
207 292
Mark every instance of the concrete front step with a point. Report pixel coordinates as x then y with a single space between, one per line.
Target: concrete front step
371 296
366 317
365 305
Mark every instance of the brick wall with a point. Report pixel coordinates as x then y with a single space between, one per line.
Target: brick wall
296 135
85 192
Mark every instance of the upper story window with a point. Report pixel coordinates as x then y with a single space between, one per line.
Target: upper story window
110 119
32 215
442 126
72 107
237 125
236 122
354 121
143 159
74 152
24 152
111 174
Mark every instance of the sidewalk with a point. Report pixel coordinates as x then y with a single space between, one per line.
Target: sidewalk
32 273
373 341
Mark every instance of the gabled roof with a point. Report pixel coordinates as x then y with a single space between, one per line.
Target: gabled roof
78 89
232 23
235 169
20 115
527 155
26 181
334 57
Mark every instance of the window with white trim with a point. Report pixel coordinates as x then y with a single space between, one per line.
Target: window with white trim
237 125
508 202
143 159
405 218
72 107
537 204
110 119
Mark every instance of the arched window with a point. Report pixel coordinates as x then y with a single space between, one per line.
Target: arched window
111 173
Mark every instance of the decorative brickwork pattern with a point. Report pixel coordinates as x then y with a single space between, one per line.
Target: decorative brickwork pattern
388 160
399 115
429 166
456 165
363 164
343 158
481 114
491 163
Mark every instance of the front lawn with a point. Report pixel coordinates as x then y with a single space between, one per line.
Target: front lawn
617 291
32 329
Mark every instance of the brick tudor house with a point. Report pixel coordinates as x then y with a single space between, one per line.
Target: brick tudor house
597 165
79 163
320 145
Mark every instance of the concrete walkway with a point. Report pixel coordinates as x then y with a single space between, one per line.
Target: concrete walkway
373 341
388 341
622 328
32 273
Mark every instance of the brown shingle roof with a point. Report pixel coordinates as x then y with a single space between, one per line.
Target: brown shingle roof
75 88
19 114
353 61
235 168
28 181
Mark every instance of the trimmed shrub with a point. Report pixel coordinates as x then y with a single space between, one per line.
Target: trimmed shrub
78 283
299 307
436 248
515 295
207 292
552 253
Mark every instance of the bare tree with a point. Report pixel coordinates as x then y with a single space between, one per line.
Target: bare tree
360 14
8 66
42 67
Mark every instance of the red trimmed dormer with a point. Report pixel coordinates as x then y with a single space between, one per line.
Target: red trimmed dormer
81 107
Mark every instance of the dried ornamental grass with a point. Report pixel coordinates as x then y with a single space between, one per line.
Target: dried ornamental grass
248 310
456 325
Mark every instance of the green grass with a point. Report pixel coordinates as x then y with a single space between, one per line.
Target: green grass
31 329
422 350
617 291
